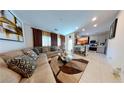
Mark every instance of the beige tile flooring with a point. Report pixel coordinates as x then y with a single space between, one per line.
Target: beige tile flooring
98 69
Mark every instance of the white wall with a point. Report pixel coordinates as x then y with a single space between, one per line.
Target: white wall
67 39
12 45
28 36
115 51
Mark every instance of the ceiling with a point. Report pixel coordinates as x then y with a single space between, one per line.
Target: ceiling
68 21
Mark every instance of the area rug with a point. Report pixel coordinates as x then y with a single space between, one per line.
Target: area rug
72 71
69 70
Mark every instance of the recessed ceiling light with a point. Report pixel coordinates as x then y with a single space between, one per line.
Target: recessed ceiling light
83 29
94 19
95 25
76 27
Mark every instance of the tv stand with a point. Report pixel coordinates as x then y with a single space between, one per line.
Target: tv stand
93 48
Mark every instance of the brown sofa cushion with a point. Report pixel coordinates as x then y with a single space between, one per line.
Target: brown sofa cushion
13 53
8 76
2 63
42 59
23 65
52 54
55 65
43 72
5 58
45 49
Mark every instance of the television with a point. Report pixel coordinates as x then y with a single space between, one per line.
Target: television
93 41
82 41
113 29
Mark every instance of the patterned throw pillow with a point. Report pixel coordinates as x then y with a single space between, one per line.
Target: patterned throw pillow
36 51
53 48
23 65
39 48
30 53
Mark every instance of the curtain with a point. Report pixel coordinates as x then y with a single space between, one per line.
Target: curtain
46 38
54 39
42 38
37 37
62 41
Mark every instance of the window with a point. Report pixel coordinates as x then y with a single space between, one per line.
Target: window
46 39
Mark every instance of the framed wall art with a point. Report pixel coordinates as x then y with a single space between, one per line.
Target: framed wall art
113 29
10 27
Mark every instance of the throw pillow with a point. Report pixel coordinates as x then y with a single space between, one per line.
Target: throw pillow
40 49
23 65
53 48
36 51
30 53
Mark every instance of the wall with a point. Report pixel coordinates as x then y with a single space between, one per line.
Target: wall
115 51
11 45
67 39
28 36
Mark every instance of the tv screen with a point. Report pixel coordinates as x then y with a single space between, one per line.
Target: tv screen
113 29
83 41
93 41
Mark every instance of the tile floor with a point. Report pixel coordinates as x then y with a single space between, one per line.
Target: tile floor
98 69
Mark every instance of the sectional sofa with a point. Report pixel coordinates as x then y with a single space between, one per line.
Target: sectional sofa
42 73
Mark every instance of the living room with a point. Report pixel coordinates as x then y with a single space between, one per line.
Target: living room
80 40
